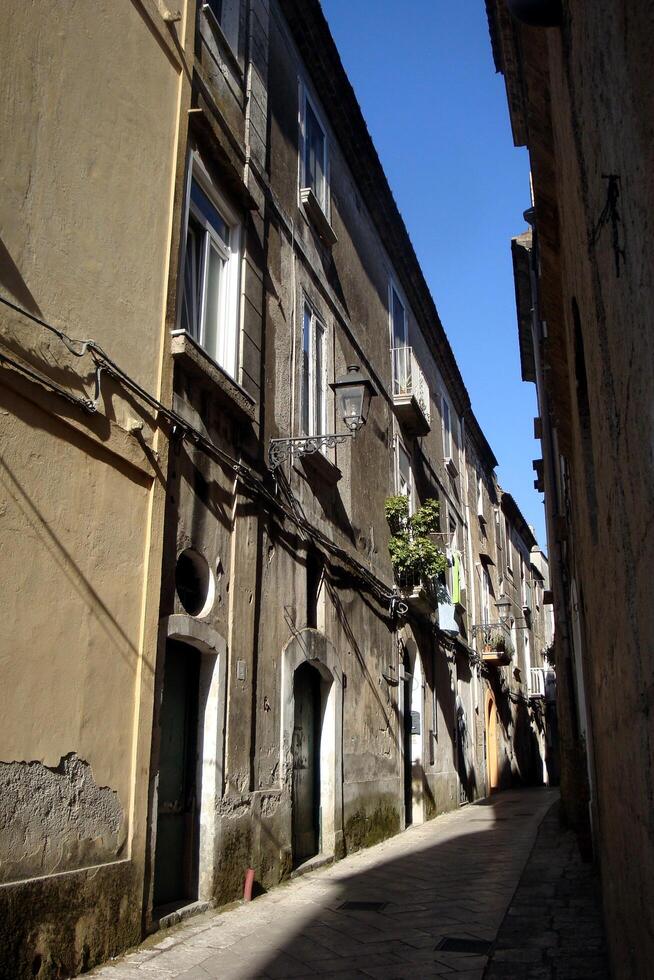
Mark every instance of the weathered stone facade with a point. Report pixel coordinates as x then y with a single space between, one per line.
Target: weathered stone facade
213 667
581 99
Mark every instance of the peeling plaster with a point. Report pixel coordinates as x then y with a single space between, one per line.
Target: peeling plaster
56 819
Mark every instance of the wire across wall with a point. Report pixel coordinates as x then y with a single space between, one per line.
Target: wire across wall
180 428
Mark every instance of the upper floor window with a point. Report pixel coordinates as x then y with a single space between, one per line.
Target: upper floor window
314 160
447 429
209 311
403 475
314 374
486 592
399 331
507 546
399 345
480 498
227 13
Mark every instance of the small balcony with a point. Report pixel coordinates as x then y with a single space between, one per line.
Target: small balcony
495 642
420 595
542 683
536 682
410 392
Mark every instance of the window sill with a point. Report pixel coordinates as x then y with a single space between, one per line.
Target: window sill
450 466
317 216
201 366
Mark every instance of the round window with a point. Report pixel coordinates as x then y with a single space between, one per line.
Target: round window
194 583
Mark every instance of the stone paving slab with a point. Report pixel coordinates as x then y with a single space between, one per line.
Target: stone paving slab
454 876
553 928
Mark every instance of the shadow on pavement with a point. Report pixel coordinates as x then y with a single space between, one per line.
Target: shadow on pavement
458 888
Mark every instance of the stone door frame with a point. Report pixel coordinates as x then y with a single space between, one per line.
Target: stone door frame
212 704
311 646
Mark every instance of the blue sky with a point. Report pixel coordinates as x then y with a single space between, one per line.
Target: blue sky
437 112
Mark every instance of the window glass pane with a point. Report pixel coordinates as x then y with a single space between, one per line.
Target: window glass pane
192 281
404 469
214 325
447 438
306 352
319 379
216 8
314 154
207 209
399 321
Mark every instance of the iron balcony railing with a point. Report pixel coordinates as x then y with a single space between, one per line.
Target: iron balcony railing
408 379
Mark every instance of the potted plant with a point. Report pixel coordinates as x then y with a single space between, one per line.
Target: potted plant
498 641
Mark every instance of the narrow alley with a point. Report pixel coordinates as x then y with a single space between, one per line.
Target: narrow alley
429 902
327 489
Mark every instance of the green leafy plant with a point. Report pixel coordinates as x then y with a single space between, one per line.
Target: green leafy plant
397 513
497 640
413 553
425 519
500 642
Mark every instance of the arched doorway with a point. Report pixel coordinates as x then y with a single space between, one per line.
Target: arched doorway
187 763
491 745
307 727
312 676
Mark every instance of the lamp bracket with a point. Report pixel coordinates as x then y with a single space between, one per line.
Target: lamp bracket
282 449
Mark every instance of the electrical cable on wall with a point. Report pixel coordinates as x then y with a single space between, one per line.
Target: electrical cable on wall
252 480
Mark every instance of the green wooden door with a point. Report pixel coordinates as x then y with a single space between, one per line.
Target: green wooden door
175 873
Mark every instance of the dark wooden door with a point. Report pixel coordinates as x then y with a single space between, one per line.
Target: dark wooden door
306 764
175 875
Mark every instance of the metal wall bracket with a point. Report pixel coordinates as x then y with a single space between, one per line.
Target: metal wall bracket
280 450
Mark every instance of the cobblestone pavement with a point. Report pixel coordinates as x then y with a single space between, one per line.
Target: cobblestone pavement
553 929
450 879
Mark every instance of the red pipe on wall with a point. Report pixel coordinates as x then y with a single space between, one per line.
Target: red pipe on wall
249 884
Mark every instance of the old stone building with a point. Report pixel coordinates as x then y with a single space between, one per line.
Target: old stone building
93 124
220 360
581 98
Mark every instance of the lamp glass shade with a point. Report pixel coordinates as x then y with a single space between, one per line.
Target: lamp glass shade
353 393
503 605
351 405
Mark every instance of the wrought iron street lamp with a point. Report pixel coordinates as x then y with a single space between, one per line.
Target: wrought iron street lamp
353 393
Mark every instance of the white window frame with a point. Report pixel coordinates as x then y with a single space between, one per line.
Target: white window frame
305 99
400 353
226 354
480 498
485 594
316 422
399 448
